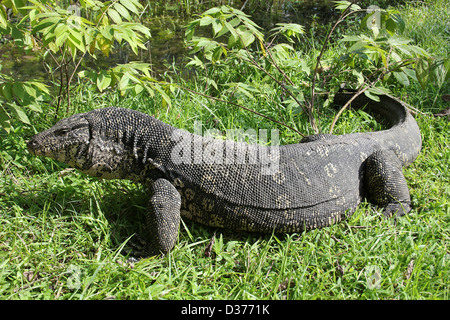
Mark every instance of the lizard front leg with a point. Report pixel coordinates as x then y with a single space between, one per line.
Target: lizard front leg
163 217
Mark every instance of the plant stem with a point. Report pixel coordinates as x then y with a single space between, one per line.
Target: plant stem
240 106
319 57
397 64
306 109
360 90
252 61
82 57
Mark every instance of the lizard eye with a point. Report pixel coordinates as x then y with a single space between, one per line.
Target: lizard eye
61 132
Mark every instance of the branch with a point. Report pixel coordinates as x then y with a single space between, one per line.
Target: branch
252 61
362 89
240 106
84 53
397 64
341 18
307 110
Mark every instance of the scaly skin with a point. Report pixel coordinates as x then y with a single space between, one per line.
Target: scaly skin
235 185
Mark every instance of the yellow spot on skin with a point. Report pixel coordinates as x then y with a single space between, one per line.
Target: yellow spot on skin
283 201
323 151
330 169
189 193
208 205
178 183
334 191
278 177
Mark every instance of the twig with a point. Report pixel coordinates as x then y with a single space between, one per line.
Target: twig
308 110
281 84
319 57
252 61
243 6
240 106
82 57
362 89
360 227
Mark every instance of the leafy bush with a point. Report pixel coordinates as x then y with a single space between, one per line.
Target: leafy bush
67 35
369 61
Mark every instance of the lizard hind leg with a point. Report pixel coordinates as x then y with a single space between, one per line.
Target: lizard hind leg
163 217
385 184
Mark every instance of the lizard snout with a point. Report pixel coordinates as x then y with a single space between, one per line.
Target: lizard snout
32 145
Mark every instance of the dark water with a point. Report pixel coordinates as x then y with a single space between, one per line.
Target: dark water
167 21
167 26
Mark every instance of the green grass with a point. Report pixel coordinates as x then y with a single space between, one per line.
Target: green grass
62 233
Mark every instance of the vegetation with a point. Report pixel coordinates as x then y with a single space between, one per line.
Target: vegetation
62 234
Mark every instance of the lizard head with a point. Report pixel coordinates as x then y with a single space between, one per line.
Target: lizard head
65 141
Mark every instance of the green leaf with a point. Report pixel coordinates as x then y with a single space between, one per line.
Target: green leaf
18 90
7 91
375 30
41 86
76 38
397 41
131 5
19 113
207 20
35 107
122 11
235 22
391 26
124 82
447 68
357 46
401 77
104 45
30 91
395 57
61 30
103 80
140 28
342 5
217 53
212 11
289 29
3 18
50 23
351 38
370 94
196 62
410 73
217 26
440 71
247 38
400 24
5 121
359 75
107 32
114 15
231 29
422 72
163 94
138 89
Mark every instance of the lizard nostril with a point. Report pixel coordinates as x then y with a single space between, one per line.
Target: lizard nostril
32 144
